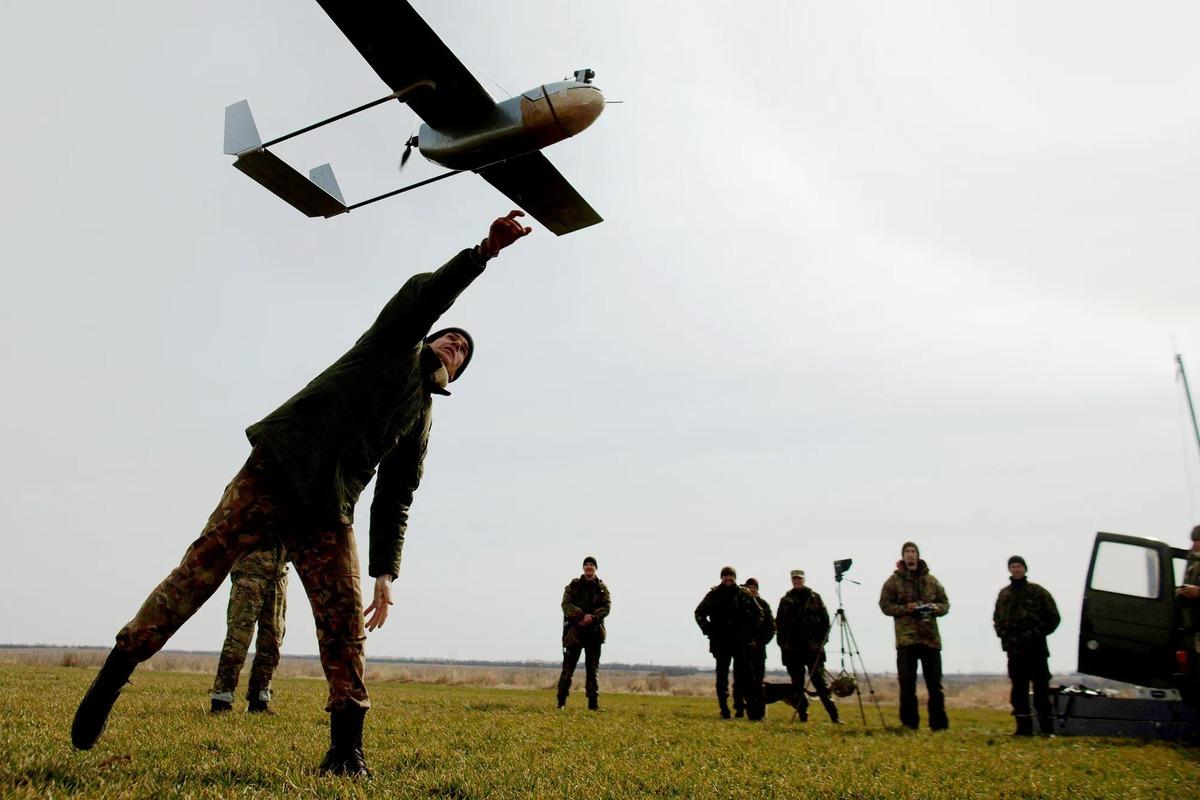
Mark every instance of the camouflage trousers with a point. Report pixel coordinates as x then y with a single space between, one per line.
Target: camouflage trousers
591 663
325 557
253 600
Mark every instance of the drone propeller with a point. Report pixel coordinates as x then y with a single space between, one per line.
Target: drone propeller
408 147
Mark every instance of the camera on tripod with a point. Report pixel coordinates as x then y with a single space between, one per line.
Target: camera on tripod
841 567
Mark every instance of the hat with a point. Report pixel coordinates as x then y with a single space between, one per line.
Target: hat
1196 534
590 560
907 545
728 571
470 347
1017 560
797 573
751 582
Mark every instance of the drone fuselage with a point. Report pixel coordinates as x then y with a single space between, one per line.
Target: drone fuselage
523 124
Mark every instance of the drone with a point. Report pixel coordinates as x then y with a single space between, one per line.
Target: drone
463 128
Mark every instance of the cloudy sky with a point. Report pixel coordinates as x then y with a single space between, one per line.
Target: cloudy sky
869 272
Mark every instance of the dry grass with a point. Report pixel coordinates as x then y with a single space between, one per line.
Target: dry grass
984 692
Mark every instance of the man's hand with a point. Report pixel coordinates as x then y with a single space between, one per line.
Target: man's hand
587 620
913 606
1188 590
503 232
377 612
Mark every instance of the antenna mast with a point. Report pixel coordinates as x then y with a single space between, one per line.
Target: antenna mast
1187 391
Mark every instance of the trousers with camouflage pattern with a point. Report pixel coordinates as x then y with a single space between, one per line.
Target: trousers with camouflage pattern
325 557
257 596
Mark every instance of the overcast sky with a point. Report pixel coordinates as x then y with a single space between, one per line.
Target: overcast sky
869 272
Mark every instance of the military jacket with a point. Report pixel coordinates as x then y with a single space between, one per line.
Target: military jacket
268 560
915 586
766 629
803 623
729 616
370 409
580 597
1190 607
1025 615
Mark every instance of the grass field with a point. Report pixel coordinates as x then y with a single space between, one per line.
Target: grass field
434 741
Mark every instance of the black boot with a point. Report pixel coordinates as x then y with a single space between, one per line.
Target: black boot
220 706
254 705
1047 725
562 702
831 708
593 703
345 755
96 705
724 704
1024 725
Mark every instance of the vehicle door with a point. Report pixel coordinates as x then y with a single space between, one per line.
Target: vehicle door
1129 624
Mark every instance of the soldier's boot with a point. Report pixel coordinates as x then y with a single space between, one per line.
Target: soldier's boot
345 755
220 706
93 711
594 703
258 701
724 704
1024 725
1047 725
831 708
562 701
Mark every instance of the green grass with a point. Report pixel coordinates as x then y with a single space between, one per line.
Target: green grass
455 742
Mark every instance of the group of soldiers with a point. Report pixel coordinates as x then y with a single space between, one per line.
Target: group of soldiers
739 626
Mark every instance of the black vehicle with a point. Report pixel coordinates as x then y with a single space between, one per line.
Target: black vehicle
1130 630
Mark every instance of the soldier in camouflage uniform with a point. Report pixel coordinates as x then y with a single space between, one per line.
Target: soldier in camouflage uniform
916 599
309 461
1025 615
1188 598
730 619
758 655
585 604
258 595
803 624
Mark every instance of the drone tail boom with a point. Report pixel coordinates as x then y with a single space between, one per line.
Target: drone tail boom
315 196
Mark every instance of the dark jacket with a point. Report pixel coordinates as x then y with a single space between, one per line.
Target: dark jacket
915 586
766 628
1025 615
1190 607
580 597
803 624
728 616
370 408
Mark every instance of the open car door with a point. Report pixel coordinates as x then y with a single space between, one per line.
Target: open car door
1129 629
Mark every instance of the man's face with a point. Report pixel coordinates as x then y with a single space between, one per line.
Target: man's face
727 580
752 590
451 348
589 570
1017 570
1196 546
910 557
797 581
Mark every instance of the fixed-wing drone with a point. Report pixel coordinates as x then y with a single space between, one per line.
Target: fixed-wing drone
464 128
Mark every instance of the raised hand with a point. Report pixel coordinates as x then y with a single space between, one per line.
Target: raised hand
503 232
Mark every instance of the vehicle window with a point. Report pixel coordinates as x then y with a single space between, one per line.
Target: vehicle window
1180 569
1126 569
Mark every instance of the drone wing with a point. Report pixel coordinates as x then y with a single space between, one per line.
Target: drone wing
403 50
533 183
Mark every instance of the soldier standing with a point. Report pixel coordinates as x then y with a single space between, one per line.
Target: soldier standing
730 618
803 624
758 655
1025 615
916 599
309 461
1188 597
258 596
585 604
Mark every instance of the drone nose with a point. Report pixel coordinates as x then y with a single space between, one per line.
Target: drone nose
577 107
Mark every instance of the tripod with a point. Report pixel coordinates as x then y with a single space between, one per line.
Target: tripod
849 647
